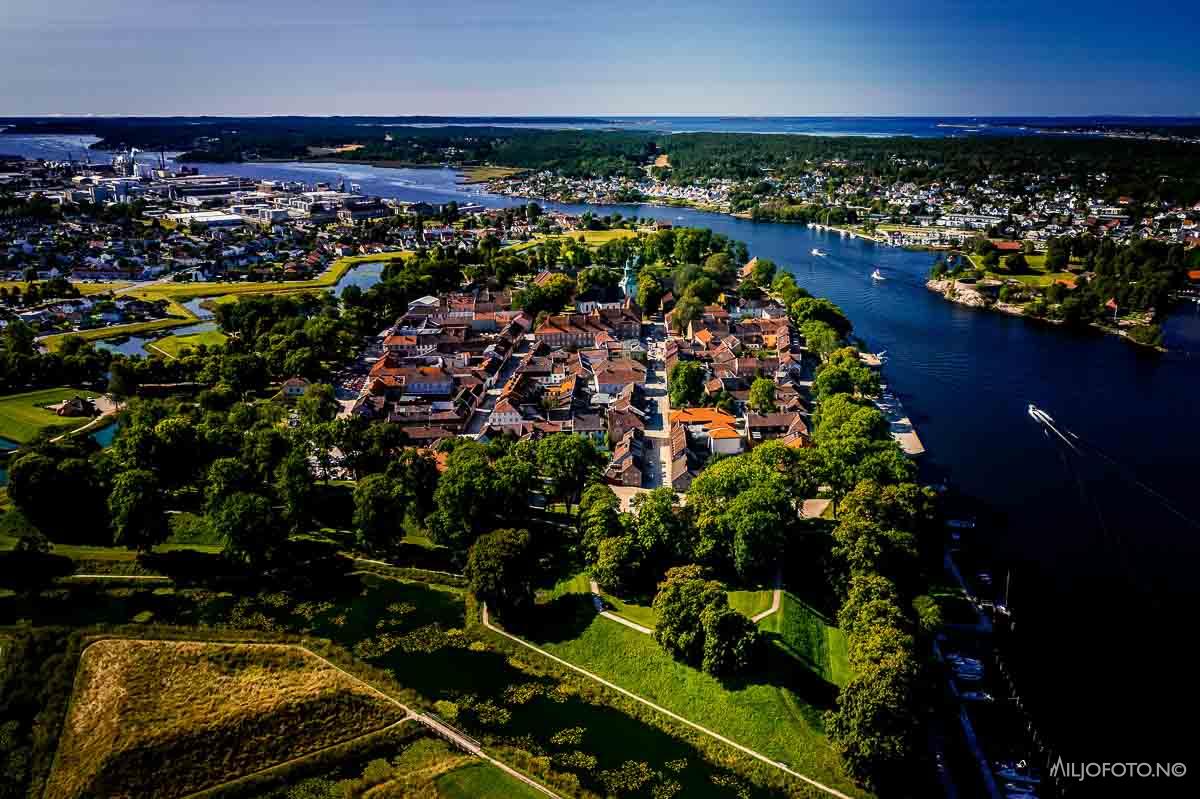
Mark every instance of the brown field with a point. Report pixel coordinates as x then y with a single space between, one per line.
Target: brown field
169 718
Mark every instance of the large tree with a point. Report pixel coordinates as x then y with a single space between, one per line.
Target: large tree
501 568
380 505
249 526
682 597
762 395
137 510
569 462
686 384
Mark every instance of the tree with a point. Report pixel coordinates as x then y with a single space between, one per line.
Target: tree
416 471
1016 263
599 518
294 487
249 527
617 564
657 529
122 378
569 462
872 728
318 404
819 309
379 509
686 384
763 272
683 595
500 570
820 338
226 476
137 510
687 310
731 641
762 396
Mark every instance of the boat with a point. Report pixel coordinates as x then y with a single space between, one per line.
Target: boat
877 275
817 251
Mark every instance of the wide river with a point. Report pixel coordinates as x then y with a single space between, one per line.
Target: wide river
1098 536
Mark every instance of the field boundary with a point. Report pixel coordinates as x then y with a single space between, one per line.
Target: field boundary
660 709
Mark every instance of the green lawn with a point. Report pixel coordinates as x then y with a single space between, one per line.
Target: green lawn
22 416
777 711
172 346
804 634
750 603
592 238
1036 275
482 781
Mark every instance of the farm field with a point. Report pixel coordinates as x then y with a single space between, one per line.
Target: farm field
157 717
22 416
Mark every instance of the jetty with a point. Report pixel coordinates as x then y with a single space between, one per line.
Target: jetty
901 426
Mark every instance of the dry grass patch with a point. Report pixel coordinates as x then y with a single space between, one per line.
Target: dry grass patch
168 718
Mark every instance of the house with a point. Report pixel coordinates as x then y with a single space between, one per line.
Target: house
76 406
625 469
768 426
295 387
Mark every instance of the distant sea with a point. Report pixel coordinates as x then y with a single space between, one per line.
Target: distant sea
924 127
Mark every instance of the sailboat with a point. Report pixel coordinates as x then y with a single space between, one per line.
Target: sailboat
877 275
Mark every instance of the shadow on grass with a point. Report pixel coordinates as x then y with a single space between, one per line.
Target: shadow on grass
562 619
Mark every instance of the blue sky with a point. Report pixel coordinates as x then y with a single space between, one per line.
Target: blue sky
562 58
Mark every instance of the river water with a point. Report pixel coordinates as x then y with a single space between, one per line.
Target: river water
1099 538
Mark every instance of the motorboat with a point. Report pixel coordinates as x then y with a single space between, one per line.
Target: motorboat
877 275
818 252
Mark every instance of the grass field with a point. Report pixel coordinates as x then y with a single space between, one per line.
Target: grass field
22 416
777 712
481 781
805 635
169 718
1036 275
592 238
173 346
482 174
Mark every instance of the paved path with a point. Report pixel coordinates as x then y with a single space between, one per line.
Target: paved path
776 600
599 602
660 709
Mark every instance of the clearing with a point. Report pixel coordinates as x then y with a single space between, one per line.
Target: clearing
22 416
810 638
168 718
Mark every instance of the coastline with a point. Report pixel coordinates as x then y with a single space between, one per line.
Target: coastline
973 299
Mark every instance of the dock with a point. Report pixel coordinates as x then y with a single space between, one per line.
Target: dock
902 427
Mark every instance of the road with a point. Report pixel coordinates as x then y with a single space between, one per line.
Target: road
660 709
657 470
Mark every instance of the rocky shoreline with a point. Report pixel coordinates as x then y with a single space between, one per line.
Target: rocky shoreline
963 294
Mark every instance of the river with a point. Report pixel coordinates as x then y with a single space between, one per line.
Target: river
1099 542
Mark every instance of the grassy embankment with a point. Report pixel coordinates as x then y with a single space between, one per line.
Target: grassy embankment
173 346
23 417
168 718
776 710
176 293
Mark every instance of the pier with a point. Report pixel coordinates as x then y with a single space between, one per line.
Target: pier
902 427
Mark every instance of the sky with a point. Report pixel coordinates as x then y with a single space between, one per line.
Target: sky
489 57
